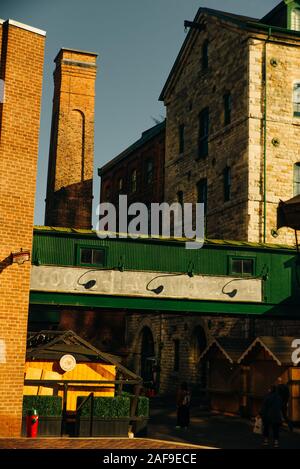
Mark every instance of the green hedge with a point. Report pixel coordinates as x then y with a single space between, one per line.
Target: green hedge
143 407
107 407
46 406
118 406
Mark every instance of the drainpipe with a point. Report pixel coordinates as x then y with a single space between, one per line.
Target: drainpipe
265 135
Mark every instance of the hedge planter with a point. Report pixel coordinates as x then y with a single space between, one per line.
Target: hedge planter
49 409
104 426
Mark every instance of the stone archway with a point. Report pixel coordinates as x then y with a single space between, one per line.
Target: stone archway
147 352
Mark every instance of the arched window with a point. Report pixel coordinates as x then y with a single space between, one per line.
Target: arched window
205 55
296 99
296 179
133 181
149 171
120 185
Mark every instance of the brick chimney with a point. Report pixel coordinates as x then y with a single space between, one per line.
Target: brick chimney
71 154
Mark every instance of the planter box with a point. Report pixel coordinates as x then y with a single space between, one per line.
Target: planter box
48 426
103 426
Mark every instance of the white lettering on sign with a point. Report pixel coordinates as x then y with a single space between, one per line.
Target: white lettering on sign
145 284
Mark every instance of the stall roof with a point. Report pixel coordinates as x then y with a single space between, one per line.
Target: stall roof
52 345
279 348
232 348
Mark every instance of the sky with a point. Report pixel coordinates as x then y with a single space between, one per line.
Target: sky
137 42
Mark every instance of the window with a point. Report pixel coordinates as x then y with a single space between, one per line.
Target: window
91 256
176 362
120 185
205 55
296 99
149 172
180 198
202 193
133 181
227 183
295 19
203 133
242 266
181 138
296 179
227 108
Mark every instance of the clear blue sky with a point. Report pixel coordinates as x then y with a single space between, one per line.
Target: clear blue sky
137 42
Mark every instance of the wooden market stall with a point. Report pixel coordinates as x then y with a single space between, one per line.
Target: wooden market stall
267 360
225 377
64 356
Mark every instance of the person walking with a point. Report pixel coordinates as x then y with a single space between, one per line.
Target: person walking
284 393
271 414
183 406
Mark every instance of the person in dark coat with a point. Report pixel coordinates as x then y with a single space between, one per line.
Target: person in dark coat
183 407
284 393
271 414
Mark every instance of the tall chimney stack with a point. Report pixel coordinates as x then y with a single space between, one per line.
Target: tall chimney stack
70 172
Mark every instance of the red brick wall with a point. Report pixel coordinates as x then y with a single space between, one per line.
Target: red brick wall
70 174
22 68
137 160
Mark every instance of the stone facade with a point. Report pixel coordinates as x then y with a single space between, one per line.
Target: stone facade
193 333
236 64
70 173
21 61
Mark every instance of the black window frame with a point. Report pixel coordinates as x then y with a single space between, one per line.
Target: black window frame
203 133
149 173
202 193
205 56
233 272
133 181
227 183
227 98
79 249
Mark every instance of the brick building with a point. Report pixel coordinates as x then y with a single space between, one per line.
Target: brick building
233 127
21 69
70 174
138 171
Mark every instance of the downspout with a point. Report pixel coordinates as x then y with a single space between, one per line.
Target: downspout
265 135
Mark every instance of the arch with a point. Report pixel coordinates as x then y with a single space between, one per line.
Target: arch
147 353
78 141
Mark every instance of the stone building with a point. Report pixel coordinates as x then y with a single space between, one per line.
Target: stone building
232 128
21 71
71 156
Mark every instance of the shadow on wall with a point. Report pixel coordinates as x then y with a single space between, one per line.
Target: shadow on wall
71 206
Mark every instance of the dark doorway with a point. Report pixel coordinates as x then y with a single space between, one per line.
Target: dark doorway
147 354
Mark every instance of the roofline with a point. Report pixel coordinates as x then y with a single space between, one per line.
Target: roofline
110 164
125 237
215 342
244 25
24 26
77 51
258 340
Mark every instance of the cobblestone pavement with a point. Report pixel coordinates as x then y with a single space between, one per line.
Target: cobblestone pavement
210 430
91 443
